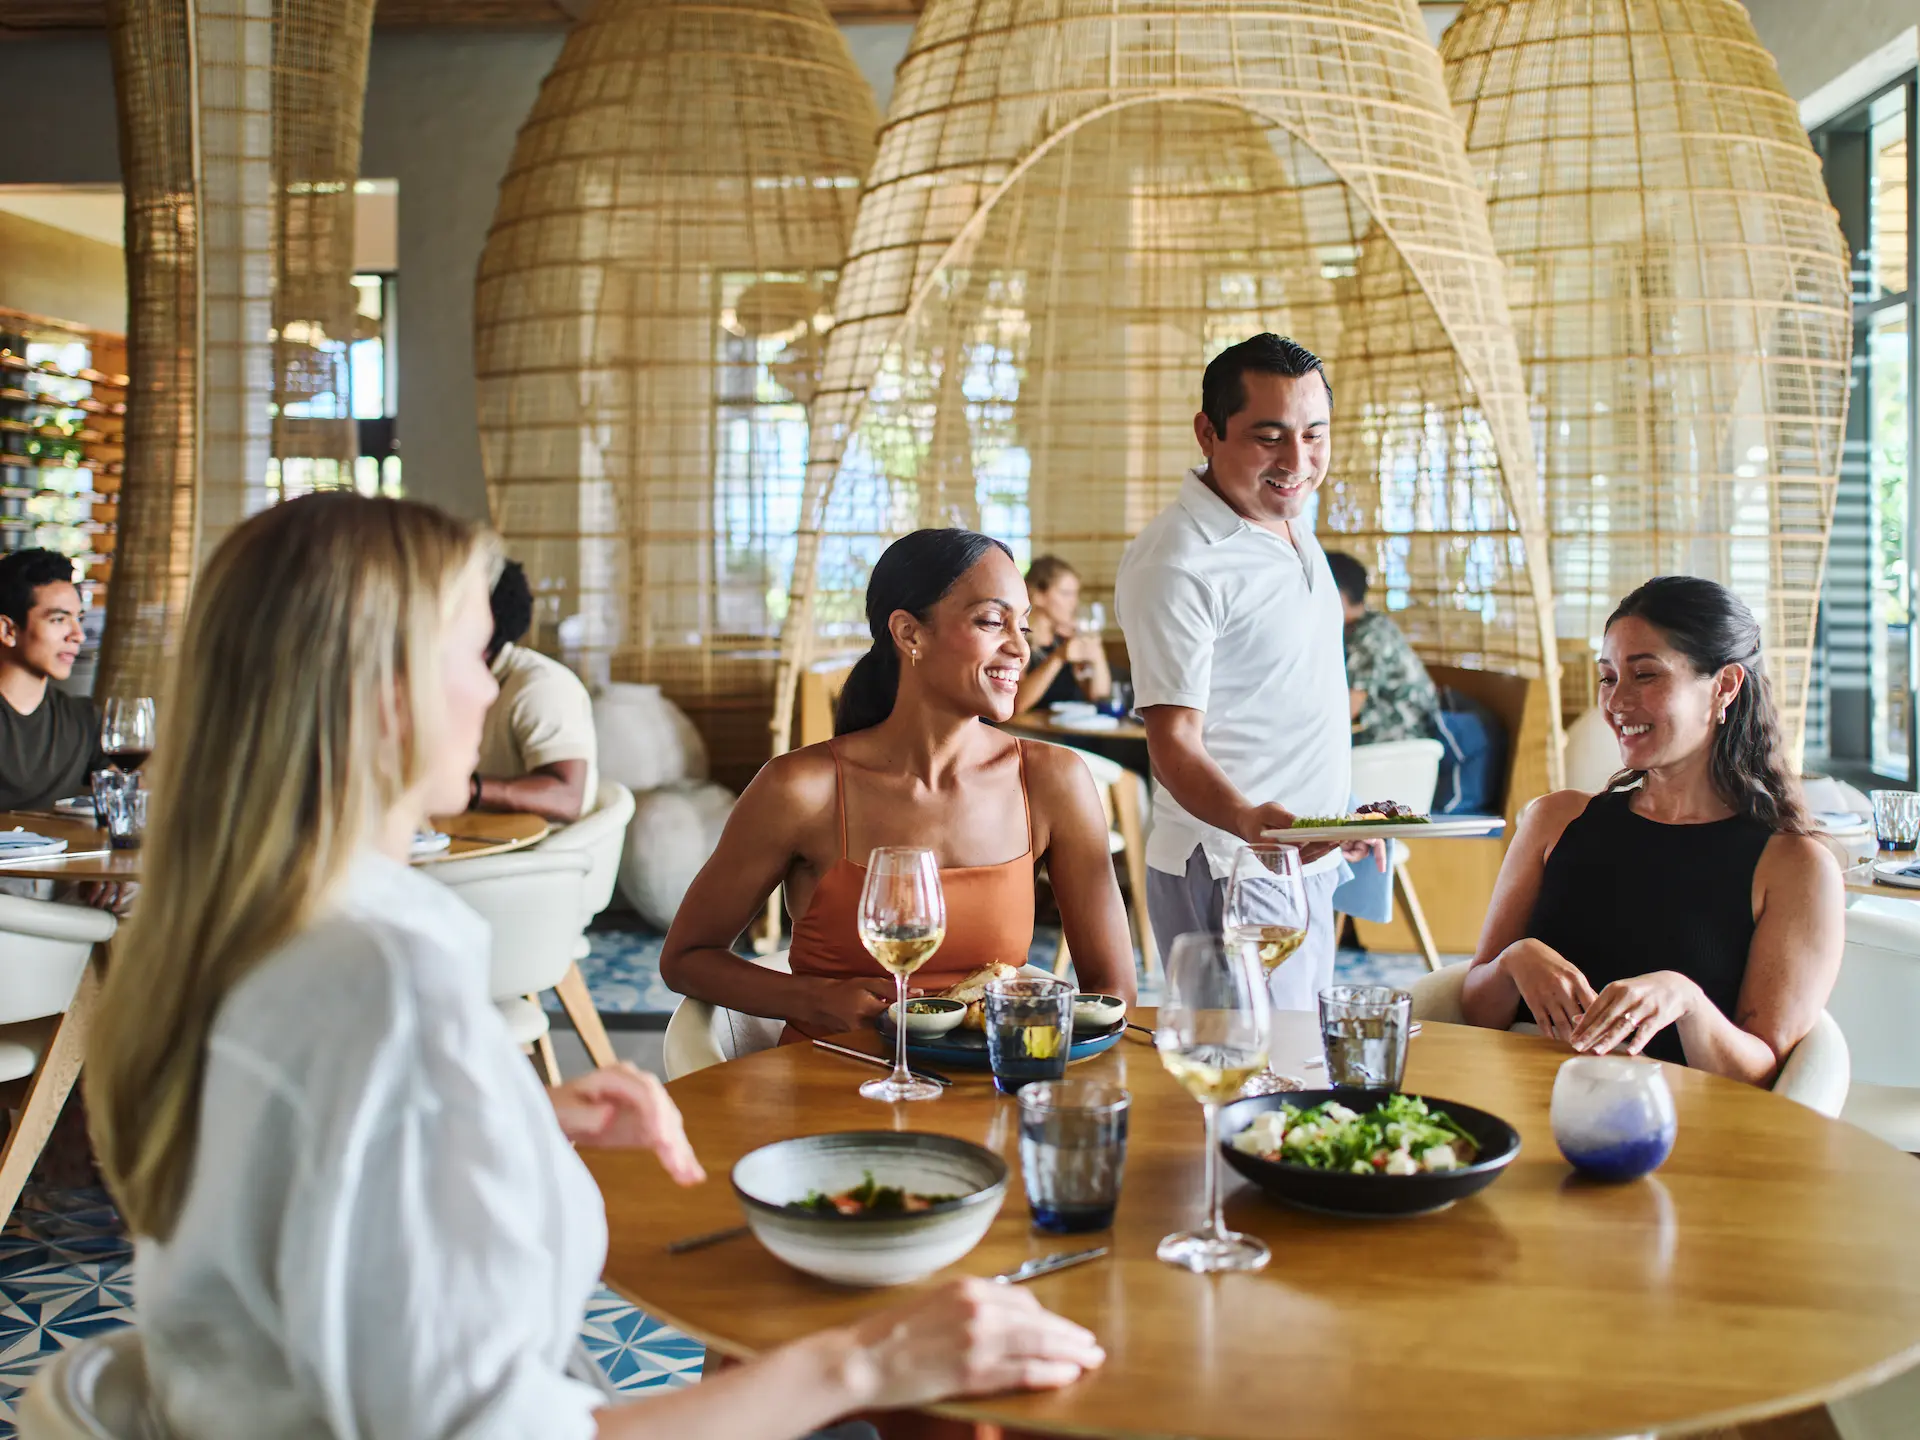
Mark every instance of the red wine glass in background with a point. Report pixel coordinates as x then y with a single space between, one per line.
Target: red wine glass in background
126 732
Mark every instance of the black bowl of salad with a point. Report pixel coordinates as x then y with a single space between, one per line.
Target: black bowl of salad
1365 1152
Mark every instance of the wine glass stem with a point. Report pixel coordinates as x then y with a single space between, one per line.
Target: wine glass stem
1216 1227
901 1076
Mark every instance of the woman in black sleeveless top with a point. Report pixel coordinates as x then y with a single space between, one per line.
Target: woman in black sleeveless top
1685 912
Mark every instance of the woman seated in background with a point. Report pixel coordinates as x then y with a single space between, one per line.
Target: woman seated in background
911 764
1064 664
1685 911
356 1211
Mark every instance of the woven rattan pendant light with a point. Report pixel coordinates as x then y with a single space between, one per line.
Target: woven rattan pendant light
650 310
240 144
1076 204
1679 290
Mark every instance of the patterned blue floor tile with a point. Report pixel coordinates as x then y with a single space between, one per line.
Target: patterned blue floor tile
66 1275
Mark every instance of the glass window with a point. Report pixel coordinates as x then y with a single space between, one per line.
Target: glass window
1889 398
1888 182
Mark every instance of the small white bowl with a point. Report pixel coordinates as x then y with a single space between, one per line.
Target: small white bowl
1097 1012
891 1249
929 1015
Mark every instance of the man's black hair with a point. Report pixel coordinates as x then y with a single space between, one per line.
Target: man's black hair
25 571
1349 575
1223 389
512 608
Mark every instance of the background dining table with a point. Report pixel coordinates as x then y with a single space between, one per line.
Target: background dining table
89 857
1769 1266
1124 743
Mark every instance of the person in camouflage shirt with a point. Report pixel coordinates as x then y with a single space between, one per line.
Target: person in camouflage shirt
1393 696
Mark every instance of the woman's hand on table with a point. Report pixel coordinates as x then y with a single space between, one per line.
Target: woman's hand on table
971 1337
1629 1013
828 1006
1552 988
623 1107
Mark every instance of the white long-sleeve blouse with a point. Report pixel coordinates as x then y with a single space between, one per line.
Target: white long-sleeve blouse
386 1236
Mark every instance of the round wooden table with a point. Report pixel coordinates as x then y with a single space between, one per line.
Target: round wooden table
1771 1265
88 856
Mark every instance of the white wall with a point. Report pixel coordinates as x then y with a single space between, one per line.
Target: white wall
1815 40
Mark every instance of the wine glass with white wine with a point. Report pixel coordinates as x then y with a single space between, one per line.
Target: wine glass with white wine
1212 1037
903 919
1266 910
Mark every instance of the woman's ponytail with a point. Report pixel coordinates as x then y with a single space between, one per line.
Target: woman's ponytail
913 574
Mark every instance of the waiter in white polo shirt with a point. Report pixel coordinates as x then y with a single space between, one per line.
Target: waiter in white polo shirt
1233 627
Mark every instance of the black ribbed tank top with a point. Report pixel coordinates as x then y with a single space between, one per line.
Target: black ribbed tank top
1623 895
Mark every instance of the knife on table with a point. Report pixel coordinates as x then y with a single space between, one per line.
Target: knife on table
917 1072
1047 1264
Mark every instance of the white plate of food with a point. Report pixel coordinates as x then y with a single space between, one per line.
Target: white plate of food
429 842
1311 830
1093 724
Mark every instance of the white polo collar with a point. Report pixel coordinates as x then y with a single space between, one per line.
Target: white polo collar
1218 521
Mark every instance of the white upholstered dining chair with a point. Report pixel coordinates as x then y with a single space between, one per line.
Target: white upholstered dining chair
1875 1001
700 1034
47 993
1816 1073
532 900
1406 772
600 835
95 1390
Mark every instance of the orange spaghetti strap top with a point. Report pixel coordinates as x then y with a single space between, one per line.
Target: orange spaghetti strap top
989 912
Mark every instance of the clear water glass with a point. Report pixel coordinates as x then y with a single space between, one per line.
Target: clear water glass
1073 1152
903 920
1363 1030
1896 818
120 806
1212 1034
1029 1030
1266 908
1613 1116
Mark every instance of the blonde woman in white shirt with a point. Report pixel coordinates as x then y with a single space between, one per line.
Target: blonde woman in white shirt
356 1211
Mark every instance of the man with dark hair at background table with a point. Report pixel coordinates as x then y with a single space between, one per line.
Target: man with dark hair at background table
538 751
49 740
1393 696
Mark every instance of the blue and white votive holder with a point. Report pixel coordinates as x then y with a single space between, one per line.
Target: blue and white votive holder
1613 1117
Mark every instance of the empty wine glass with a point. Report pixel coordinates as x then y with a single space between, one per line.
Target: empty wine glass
126 732
1266 911
1212 1036
903 919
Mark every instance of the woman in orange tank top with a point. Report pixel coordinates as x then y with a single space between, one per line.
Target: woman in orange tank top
910 764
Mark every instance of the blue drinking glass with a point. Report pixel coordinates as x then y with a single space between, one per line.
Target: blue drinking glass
1029 1030
1613 1116
1073 1151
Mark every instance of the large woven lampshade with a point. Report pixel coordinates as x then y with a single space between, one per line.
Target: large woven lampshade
650 309
1075 206
1680 293
240 144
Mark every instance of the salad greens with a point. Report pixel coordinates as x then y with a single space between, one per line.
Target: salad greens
868 1198
1401 1136
1318 822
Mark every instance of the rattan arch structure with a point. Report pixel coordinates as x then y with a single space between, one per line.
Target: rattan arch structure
650 310
1680 294
1075 205
240 144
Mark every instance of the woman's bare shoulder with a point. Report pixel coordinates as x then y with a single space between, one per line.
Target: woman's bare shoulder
802 778
1801 861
